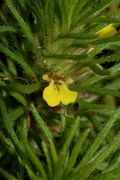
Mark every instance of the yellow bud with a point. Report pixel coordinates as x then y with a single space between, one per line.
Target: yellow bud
45 77
107 31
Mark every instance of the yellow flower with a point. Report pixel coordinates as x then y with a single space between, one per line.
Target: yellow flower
107 31
54 94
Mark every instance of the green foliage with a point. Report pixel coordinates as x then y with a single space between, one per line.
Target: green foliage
59 38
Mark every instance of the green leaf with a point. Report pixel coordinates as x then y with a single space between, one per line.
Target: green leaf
102 91
30 154
100 138
41 122
8 126
85 172
25 28
64 150
100 7
19 98
45 130
7 29
79 36
25 89
98 70
89 106
48 158
15 114
6 175
15 56
76 150
66 56
113 175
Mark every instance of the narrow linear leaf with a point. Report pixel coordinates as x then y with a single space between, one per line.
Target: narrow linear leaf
20 88
41 122
6 175
89 62
7 29
76 151
45 129
79 36
12 135
8 125
28 150
113 166
70 135
35 7
35 161
88 106
17 58
66 56
105 19
114 71
102 91
48 158
19 98
100 138
25 89
113 175
98 70
103 4
62 156
15 114
85 172
25 28
108 40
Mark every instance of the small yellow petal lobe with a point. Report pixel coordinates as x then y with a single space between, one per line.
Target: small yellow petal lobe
67 96
51 95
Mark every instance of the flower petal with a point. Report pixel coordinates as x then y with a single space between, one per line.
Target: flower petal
107 31
67 96
51 95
